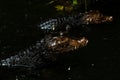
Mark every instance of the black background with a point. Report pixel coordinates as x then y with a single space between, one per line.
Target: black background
18 29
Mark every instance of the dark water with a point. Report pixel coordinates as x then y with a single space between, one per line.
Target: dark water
100 59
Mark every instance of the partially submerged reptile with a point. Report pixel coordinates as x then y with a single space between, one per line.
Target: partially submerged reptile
45 48
60 44
91 17
95 17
